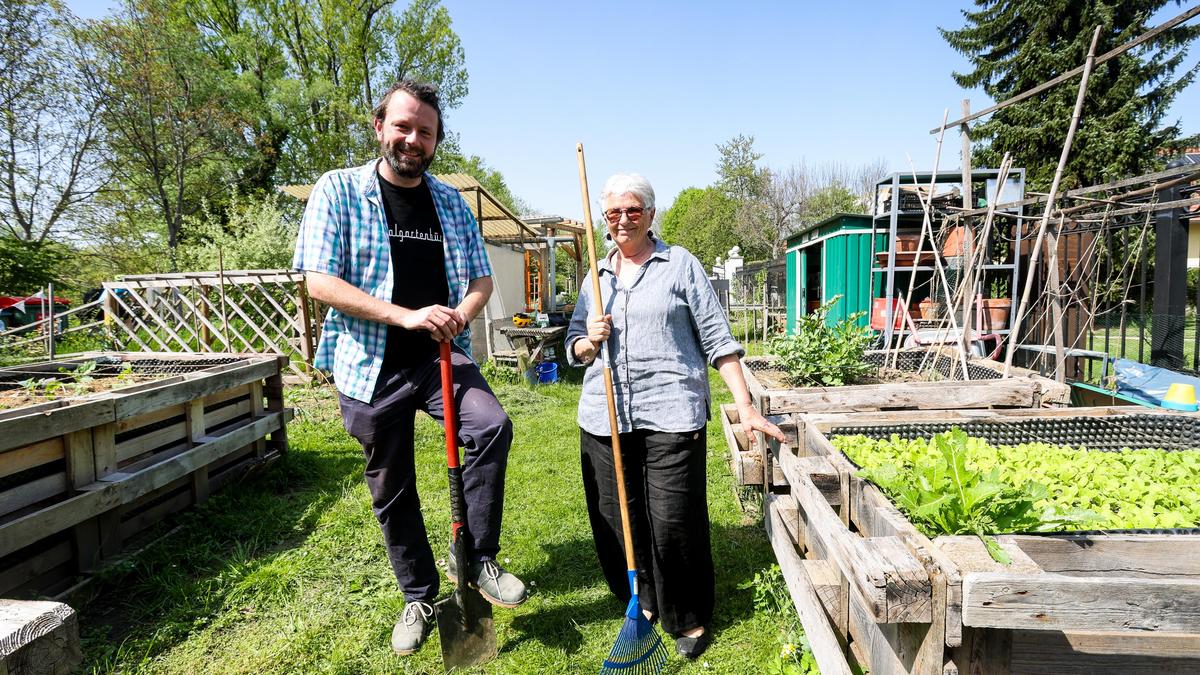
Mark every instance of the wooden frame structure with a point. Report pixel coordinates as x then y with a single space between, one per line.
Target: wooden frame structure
80 477
872 590
243 311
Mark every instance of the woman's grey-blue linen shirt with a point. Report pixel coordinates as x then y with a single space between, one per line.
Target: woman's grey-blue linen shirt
665 328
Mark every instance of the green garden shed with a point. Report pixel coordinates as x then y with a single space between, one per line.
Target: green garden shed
828 258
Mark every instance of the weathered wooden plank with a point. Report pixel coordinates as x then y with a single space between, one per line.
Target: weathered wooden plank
37 454
29 567
1145 556
827 582
150 442
57 517
210 449
38 636
145 419
969 554
984 652
33 492
818 470
814 546
149 516
824 643
889 594
908 589
1056 602
39 425
1008 392
104 445
1045 651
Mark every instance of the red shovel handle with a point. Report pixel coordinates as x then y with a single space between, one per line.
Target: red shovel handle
448 407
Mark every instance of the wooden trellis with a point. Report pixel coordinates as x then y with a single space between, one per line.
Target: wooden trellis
244 311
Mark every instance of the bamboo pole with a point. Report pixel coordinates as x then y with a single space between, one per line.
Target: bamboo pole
974 267
927 230
1015 329
912 277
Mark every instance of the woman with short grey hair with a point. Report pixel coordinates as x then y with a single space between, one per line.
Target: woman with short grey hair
664 326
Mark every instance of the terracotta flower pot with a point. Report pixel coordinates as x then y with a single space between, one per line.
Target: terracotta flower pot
930 310
995 313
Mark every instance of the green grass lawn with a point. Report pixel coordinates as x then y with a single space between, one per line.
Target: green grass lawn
285 571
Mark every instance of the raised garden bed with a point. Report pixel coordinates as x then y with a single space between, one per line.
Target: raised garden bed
898 388
939 387
871 589
84 473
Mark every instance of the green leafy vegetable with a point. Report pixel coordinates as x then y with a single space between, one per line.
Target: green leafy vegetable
824 354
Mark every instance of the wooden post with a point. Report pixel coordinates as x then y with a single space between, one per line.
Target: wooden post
307 346
205 335
49 320
965 134
1056 311
196 430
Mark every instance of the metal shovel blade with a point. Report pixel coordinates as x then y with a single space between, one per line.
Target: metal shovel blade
466 631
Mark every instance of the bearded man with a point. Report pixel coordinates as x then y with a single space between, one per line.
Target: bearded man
398 257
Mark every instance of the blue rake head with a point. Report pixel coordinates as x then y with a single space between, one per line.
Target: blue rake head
639 649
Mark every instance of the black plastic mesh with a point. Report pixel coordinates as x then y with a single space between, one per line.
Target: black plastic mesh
1115 432
947 366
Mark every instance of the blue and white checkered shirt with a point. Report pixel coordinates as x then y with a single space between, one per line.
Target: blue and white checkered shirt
344 233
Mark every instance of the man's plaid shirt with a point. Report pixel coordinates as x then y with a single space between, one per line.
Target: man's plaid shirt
344 234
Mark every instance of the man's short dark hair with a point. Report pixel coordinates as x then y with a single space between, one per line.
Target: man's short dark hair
422 91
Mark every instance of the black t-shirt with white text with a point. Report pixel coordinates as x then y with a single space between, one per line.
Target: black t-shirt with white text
418 266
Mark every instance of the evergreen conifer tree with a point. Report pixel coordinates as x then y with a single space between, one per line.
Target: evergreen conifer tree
1015 45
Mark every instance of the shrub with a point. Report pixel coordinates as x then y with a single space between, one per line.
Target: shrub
822 353
250 234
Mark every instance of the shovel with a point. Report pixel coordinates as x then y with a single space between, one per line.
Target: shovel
464 619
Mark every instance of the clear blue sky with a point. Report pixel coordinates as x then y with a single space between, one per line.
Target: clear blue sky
654 87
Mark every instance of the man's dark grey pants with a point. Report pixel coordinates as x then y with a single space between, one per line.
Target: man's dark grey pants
384 427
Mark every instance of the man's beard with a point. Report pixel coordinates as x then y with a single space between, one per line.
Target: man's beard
405 166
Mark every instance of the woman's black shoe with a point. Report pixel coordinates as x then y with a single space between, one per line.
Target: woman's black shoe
692 647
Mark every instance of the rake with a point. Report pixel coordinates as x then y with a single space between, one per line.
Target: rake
639 648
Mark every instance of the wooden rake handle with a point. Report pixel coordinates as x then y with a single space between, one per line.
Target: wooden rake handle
597 304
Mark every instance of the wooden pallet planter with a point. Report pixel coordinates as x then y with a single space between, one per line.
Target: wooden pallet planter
986 389
81 477
1026 389
872 591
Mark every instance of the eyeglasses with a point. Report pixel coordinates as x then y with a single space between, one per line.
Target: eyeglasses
634 213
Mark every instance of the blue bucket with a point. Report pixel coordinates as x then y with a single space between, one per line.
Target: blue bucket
547 372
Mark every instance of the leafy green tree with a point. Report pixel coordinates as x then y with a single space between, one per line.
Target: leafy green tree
49 159
1014 45
307 75
833 199
166 113
700 220
749 187
27 266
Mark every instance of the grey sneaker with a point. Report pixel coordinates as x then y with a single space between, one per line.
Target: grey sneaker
496 584
416 621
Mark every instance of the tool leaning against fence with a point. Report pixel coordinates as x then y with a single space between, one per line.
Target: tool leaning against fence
638 648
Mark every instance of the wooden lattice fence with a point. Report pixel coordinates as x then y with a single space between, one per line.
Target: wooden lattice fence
246 311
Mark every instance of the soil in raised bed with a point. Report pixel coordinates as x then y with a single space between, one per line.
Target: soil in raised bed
772 378
22 396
